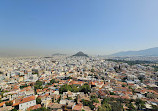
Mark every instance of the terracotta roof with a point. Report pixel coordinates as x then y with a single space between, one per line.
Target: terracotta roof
24 100
125 97
77 107
92 83
77 82
114 96
55 105
34 107
2 103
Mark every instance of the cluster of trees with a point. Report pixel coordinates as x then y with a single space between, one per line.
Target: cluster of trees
14 110
38 100
35 71
85 88
112 93
69 77
111 104
38 85
105 107
88 103
154 107
118 69
2 92
155 68
67 87
53 81
9 103
1 72
140 104
23 86
93 99
141 78
92 70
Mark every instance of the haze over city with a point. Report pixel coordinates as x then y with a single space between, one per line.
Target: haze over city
96 27
78 55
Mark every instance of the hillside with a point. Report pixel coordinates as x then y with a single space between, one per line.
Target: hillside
80 54
146 52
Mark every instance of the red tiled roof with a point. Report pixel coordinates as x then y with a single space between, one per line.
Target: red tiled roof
34 107
77 107
24 100
114 96
77 82
2 103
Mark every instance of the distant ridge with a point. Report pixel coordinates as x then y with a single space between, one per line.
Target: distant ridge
81 54
146 52
58 54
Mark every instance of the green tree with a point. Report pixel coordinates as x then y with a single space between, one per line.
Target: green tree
74 88
23 86
116 106
154 107
112 93
141 78
64 88
52 81
101 108
85 88
123 85
94 99
59 99
38 85
38 100
140 104
69 98
76 99
88 103
92 70
107 106
131 107
69 77
14 110
9 103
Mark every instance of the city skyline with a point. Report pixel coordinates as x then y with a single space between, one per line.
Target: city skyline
94 27
78 55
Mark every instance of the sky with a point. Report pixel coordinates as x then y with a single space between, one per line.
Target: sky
96 27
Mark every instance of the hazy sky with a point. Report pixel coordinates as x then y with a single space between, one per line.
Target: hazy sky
69 26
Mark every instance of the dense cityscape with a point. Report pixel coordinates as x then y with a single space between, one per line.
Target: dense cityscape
76 83
78 55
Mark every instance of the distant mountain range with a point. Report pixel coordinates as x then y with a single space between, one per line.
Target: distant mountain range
146 52
80 54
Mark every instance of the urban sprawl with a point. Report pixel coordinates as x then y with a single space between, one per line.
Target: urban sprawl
75 83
